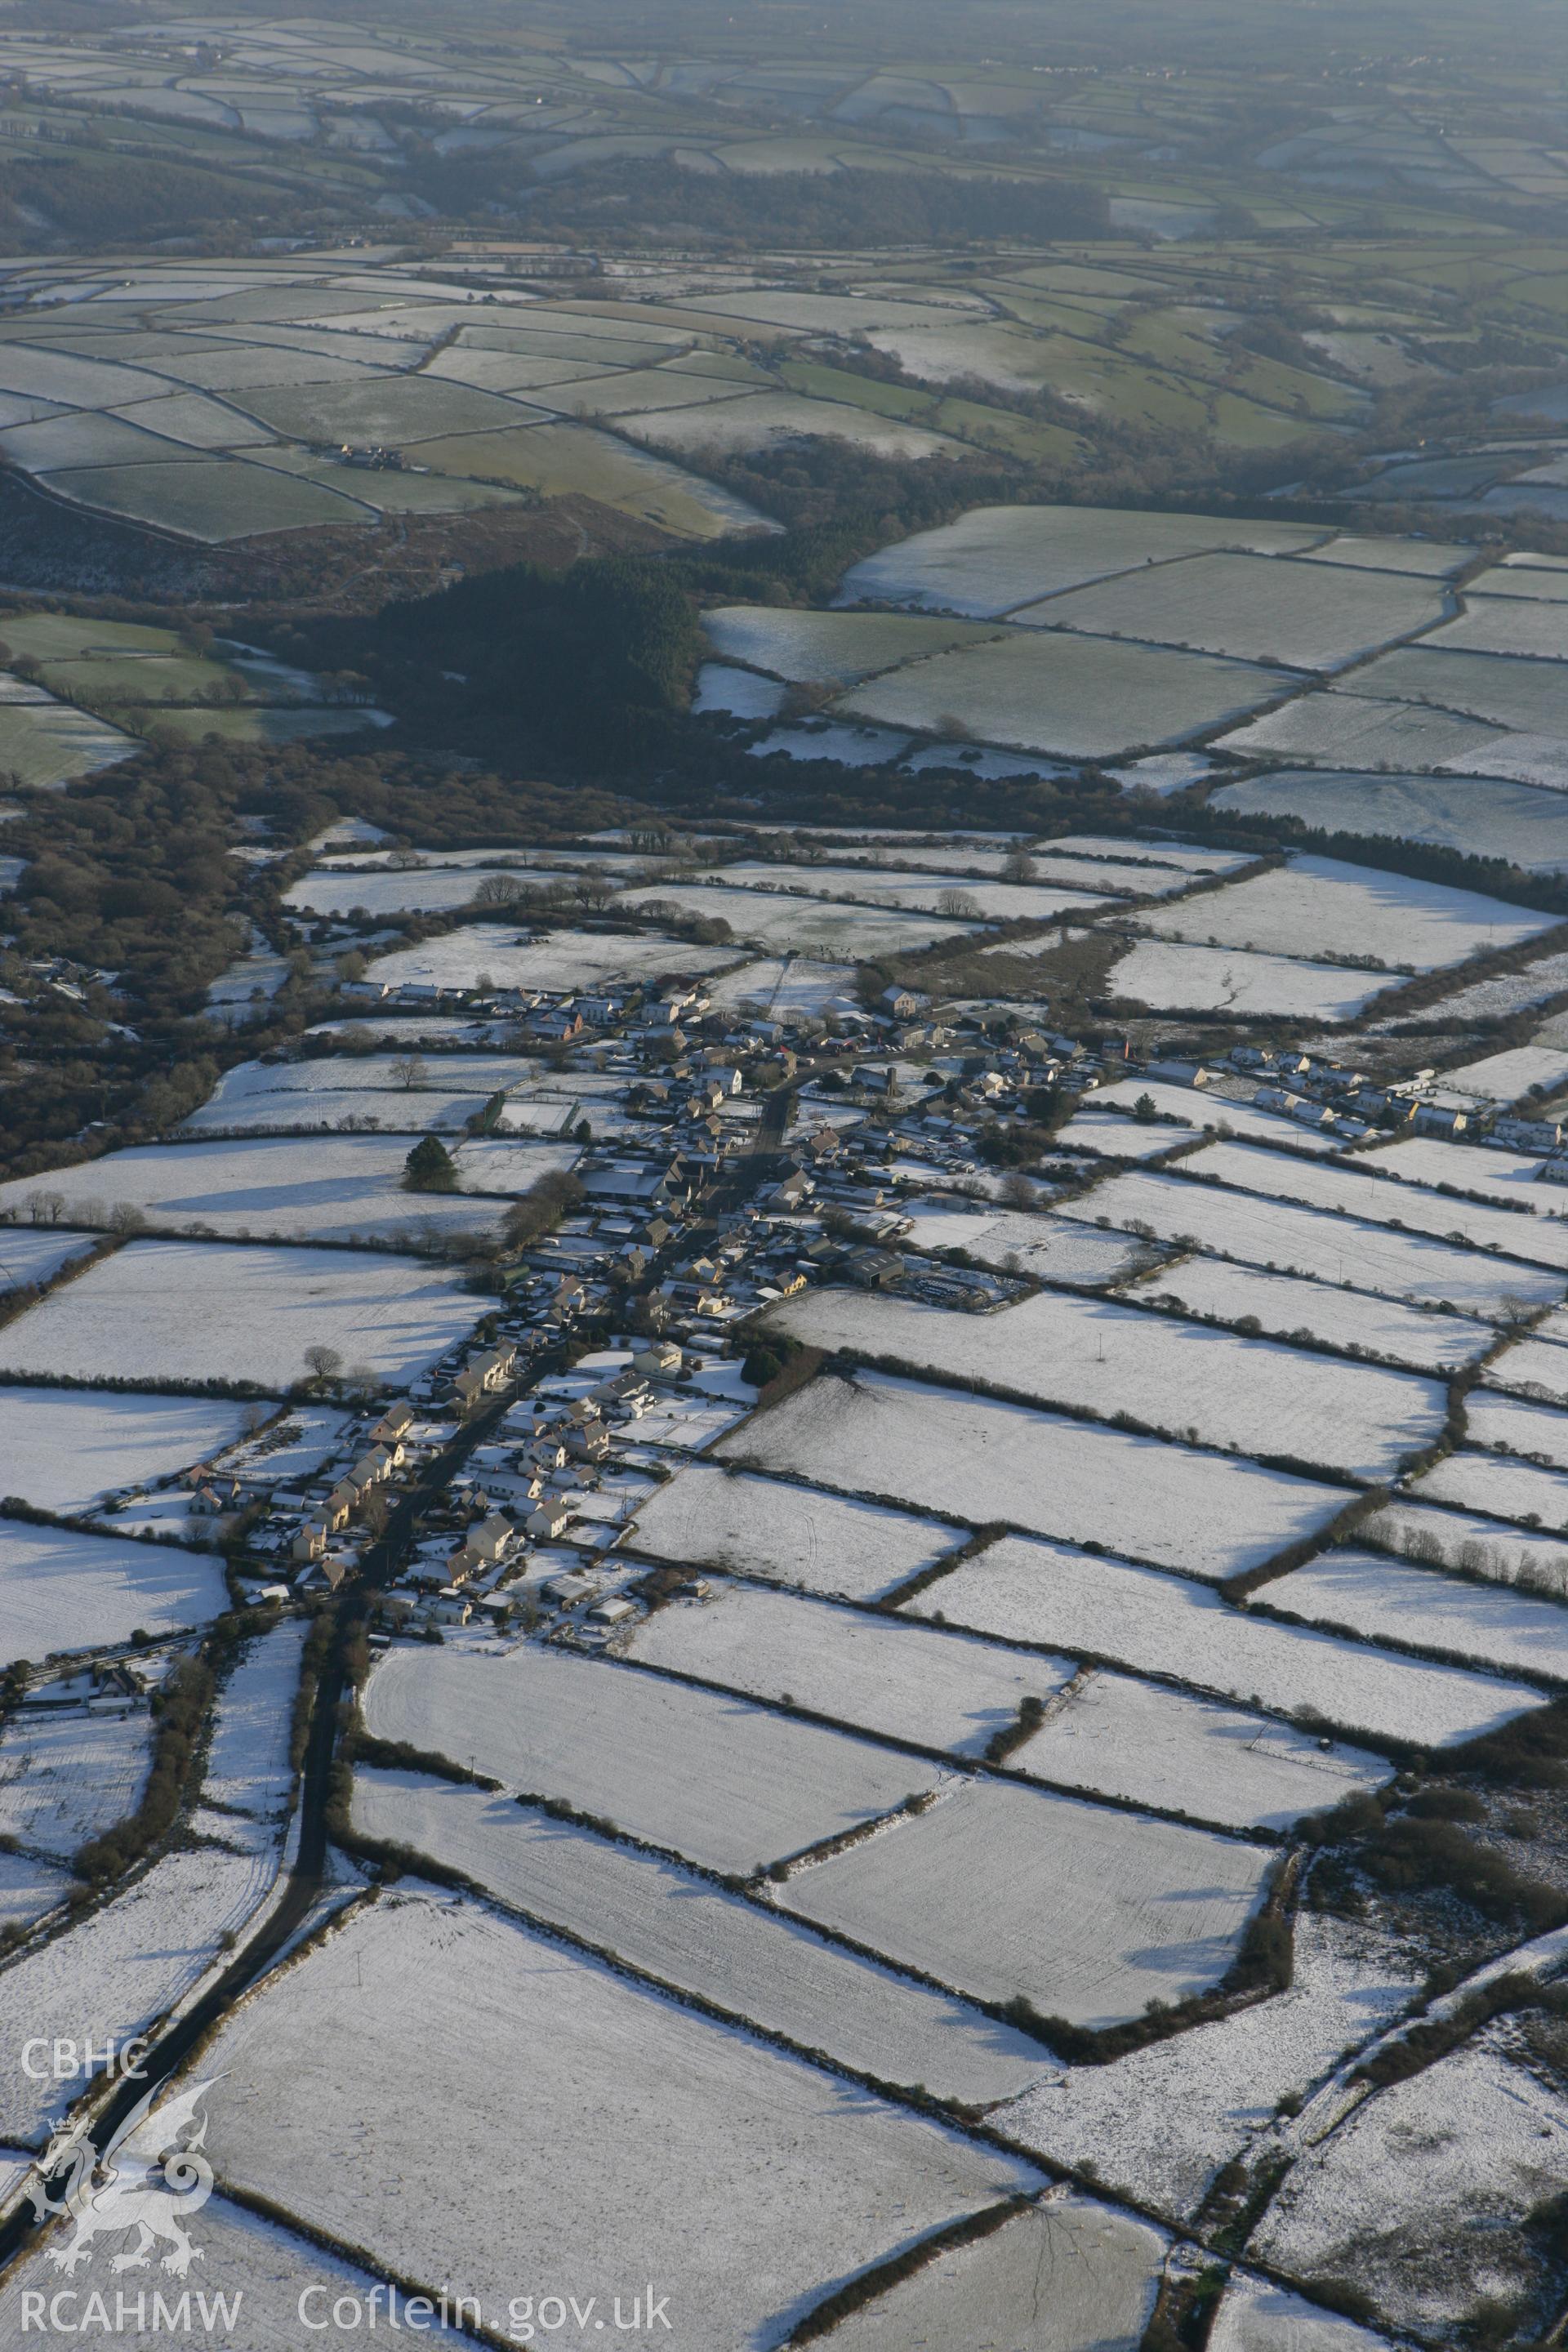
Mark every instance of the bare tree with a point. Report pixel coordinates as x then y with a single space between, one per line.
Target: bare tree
46 1207
324 1364
960 903
409 1070
1018 867
126 1217
497 890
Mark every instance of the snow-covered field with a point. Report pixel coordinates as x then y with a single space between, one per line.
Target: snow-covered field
1018 1240
1478 1547
323 1188
28 1888
1419 2199
202 1311
112 1974
1163 1625
710 1517
870 1671
1030 902
27 1255
1117 1738
553 960
685 1931
1168 978
660 2145
1387 1600
725 1784
1278 1235
1309 616
1499 1488
63 1450
67 1775
425 891
989 1463
781 985
994 1463
1073 698
997 1891
1502 1078
1497 1175
1283 1305
829 648
1095 2271
262 2269
1255 2316
1320 906
1373 1198
1162 2121
1534 1431
821 929
1188 1380
1532 1368
344 1093
995 559
60 1591
1202 1109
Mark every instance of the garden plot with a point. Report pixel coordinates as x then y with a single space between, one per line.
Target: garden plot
1251 608
67 1776
1508 690
999 1891
812 927
60 1591
1021 1240
726 1784
1253 1229
1063 1600
64 1450
790 2180
260 2268
1161 2122
425 891
1175 1753
779 985
204 1311
934 1690
830 648
1088 2275
931 894
1185 1380
1222 981
1078 698
990 1462
318 1188
126 1966
1480 817
1321 907
1374 1201
996 558
29 1257
1478 1547
685 1932
1286 1307
1533 1431
1384 1600
1349 729
1501 1489
1419 2201
562 960
707 1518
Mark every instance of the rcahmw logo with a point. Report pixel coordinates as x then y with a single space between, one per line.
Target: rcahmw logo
151 2179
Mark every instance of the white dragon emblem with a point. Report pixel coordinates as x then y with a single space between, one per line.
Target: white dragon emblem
146 2180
